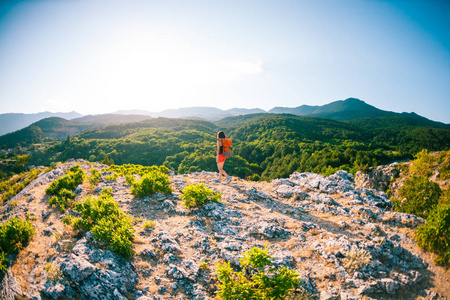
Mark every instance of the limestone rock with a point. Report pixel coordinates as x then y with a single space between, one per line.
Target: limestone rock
97 274
10 287
378 178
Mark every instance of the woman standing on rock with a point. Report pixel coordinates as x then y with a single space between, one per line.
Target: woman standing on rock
220 157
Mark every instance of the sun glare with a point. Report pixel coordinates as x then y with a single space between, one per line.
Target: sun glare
149 73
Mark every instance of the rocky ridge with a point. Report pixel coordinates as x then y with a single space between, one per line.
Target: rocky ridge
341 237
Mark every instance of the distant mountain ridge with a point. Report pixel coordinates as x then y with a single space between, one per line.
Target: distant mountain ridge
349 110
342 110
14 121
202 112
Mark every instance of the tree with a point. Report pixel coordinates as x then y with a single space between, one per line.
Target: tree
22 161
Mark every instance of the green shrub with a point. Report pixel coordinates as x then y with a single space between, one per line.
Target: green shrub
149 224
151 183
445 196
117 233
130 169
3 262
112 177
420 196
62 188
256 258
129 179
434 235
257 282
203 266
254 177
15 234
64 200
95 177
195 195
444 170
421 166
107 161
107 222
12 186
70 181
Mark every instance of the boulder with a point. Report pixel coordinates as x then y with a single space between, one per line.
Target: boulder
96 273
378 178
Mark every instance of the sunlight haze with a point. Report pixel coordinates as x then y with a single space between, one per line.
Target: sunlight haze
103 56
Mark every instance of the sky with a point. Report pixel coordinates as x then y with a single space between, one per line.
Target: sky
107 55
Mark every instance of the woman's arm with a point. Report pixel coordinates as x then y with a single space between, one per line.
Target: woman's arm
219 143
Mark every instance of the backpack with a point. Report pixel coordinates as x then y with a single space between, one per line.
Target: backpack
226 148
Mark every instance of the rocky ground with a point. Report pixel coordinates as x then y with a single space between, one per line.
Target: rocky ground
344 241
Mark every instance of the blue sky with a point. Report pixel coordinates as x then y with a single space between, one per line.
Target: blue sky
103 56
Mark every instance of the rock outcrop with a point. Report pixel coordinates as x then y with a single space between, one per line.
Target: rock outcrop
341 237
378 178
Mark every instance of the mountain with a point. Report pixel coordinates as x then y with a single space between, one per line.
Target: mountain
342 110
23 137
398 121
59 128
109 119
134 112
339 238
244 111
350 109
13 121
207 113
45 129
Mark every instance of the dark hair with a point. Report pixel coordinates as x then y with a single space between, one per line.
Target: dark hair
221 135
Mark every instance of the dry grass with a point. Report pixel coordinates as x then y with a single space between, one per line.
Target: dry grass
333 248
356 258
305 253
314 231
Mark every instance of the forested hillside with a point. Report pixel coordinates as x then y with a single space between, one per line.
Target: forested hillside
265 146
14 121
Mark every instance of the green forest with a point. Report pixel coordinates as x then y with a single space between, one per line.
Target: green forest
265 146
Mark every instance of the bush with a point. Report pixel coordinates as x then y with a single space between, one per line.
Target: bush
444 170
70 181
112 177
257 282
14 234
107 222
149 224
420 196
197 195
117 233
130 169
63 188
64 200
12 186
129 179
445 197
434 235
421 166
95 177
151 183
3 262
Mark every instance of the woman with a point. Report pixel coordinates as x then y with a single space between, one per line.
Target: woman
220 158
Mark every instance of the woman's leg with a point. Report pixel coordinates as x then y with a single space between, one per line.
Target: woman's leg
221 170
